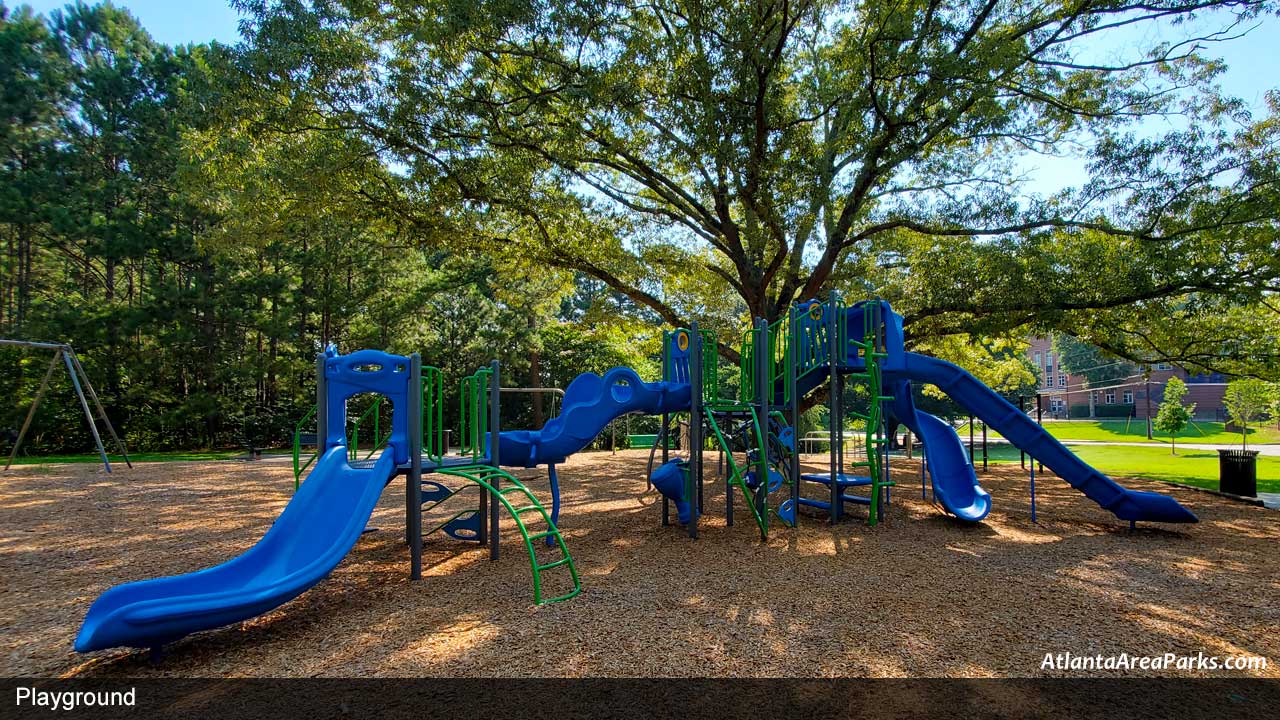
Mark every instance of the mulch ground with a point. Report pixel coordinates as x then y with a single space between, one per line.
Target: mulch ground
918 595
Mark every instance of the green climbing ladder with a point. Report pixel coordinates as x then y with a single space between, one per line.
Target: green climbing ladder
738 473
874 416
485 476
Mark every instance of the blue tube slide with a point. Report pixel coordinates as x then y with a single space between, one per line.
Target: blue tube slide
590 402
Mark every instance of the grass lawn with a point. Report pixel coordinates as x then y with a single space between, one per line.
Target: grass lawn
1136 431
1190 467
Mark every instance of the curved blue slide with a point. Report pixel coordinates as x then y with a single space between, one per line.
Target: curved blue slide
317 529
1025 434
955 484
590 403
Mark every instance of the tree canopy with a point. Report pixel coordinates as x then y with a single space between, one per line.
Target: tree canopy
772 150
552 182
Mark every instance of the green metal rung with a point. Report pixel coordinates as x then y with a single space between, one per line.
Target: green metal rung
481 475
736 473
557 563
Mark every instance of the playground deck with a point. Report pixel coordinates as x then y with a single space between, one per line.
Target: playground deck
918 595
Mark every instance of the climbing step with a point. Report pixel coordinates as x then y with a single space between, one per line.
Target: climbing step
737 474
490 478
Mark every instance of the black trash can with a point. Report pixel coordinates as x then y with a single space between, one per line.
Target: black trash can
1238 472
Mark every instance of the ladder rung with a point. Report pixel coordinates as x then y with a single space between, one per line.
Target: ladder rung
541 535
879 441
562 561
860 463
514 488
527 508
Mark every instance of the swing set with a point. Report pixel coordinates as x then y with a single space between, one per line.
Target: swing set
65 355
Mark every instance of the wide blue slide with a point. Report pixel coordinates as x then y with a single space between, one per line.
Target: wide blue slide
317 529
952 472
319 526
590 403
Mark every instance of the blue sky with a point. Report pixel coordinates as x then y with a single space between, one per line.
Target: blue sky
1252 61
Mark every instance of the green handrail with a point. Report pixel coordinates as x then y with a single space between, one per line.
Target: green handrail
736 473
473 410
379 440
298 466
432 413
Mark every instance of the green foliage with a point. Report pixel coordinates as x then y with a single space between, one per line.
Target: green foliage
1000 362
723 159
1172 416
1246 400
1080 358
550 182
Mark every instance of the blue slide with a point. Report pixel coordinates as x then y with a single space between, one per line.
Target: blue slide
590 403
317 529
955 484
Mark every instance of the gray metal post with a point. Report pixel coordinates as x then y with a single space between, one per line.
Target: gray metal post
495 418
793 394
88 416
764 388
102 413
35 403
667 338
836 430
693 491
322 407
413 483
984 446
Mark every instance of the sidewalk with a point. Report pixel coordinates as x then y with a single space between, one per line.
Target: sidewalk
1272 450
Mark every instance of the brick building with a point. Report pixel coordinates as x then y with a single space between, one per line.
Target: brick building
1063 393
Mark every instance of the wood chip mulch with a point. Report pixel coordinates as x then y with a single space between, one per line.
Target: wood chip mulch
919 595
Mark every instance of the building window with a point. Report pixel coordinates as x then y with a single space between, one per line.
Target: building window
1038 363
1128 397
1163 366
1110 397
1055 404
1062 381
1048 363
1048 381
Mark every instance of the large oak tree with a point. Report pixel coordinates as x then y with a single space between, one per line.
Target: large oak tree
772 149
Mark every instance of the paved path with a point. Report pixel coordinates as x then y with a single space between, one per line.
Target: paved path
1262 449
1269 450
1271 500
